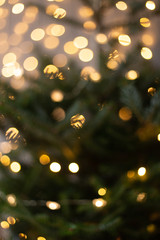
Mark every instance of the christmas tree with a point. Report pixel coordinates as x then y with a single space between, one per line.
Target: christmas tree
79 117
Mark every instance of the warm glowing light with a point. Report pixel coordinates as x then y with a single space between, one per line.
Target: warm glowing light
141 171
5 160
11 220
55 167
12 134
37 34
89 25
86 12
15 167
125 114
70 48
95 76
151 91
146 53
53 205
141 197
22 236
51 70
4 224
5 147
124 40
102 191
121 5
18 8
80 42
9 58
41 238
158 137
131 75
112 64
21 28
30 63
101 38
86 55
73 167
57 30
60 60
11 198
99 202
2 2
59 13
87 71
51 9
18 84
150 5
77 121
151 228
147 39
57 95
51 42
44 159
130 174
58 114
145 22
30 14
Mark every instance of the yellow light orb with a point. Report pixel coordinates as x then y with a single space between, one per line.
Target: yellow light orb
146 53
150 5
15 167
145 22
77 121
151 228
53 205
9 58
57 30
30 63
102 191
41 238
131 75
121 5
59 13
51 69
89 25
21 28
130 174
141 197
70 48
51 42
151 91
141 171
18 8
73 167
147 39
2 2
11 198
101 38
99 202
112 64
95 76
57 95
80 42
22 236
11 220
55 167
86 55
5 160
44 159
86 12
124 40
51 9
37 34
12 134
125 114
158 137
4 224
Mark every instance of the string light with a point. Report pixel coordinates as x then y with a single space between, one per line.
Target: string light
145 22
18 8
124 40
99 202
102 191
11 220
11 198
132 75
53 205
44 159
77 121
121 5
55 167
15 167
41 238
146 53
73 167
141 171
4 224
150 5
